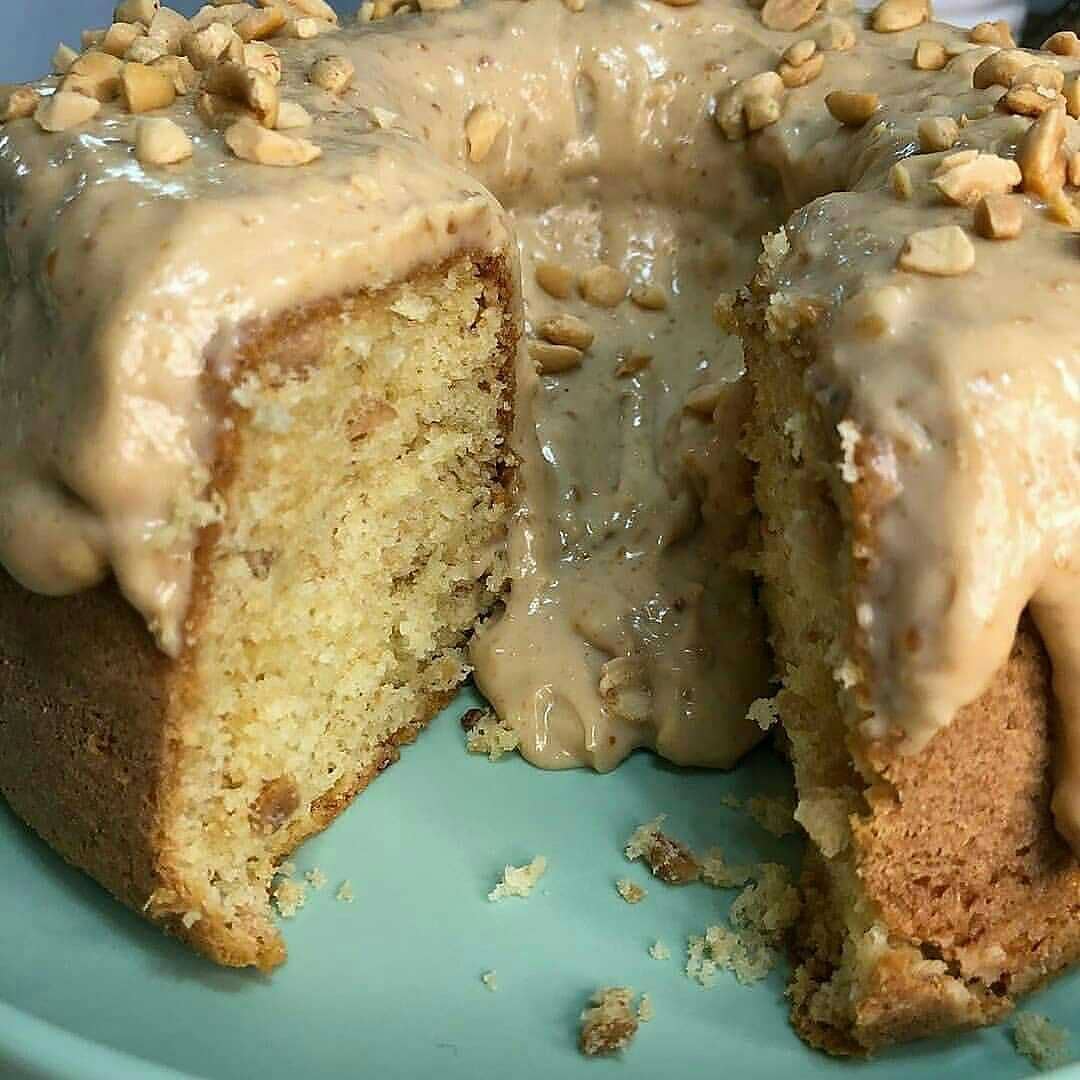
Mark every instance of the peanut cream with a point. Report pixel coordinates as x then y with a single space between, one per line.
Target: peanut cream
634 153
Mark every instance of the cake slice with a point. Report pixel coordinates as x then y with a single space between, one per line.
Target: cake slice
937 885
349 519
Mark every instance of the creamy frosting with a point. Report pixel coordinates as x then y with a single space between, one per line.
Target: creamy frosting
630 621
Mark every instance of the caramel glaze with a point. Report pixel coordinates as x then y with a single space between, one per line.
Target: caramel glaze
630 621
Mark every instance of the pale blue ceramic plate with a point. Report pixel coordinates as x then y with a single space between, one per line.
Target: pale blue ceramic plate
389 986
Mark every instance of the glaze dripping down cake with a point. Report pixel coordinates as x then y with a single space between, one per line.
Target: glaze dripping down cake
340 361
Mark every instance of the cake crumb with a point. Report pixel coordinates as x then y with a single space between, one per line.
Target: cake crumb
345 892
1043 1043
774 813
646 1011
668 859
763 712
717 872
519 880
289 896
489 979
631 893
486 734
315 878
609 1023
659 951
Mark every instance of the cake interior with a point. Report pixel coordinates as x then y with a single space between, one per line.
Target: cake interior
366 471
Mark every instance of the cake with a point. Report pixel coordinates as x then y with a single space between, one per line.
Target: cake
341 360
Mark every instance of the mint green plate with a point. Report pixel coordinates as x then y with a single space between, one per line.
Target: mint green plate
389 986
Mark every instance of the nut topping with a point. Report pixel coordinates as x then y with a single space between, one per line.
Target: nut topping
1001 68
264 59
941 252
292 116
985 174
120 37
788 14
1026 101
17 103
483 126
937 133
992 33
160 141
1063 43
247 87
649 297
801 75
929 56
835 35
1040 155
145 89
95 74
252 142
852 107
556 280
554 359
567 330
180 70
260 24
63 58
735 105
140 11
999 217
604 286
65 109
216 42
891 16
800 51
900 181
334 74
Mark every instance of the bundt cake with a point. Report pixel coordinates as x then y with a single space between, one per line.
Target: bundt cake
339 361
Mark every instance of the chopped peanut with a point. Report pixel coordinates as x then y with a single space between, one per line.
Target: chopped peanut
748 95
216 42
942 252
567 330
180 70
900 181
94 74
992 33
1001 68
937 133
160 141
482 127
788 14
140 11
929 56
334 74
17 103
649 297
263 58
985 174
604 286
556 280
261 24
891 16
999 217
802 74
252 142
120 37
835 35
800 51
1040 155
291 116
852 107
63 58
1026 101
1063 43
144 89
246 86
65 109
554 359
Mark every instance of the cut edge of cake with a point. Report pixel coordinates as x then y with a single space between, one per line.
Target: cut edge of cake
349 542
936 886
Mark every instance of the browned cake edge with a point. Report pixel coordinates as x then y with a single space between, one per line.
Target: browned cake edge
92 709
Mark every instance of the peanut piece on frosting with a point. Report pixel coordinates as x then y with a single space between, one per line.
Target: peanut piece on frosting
835 35
145 50
303 29
1063 43
941 252
252 142
63 58
555 279
334 74
216 42
247 87
170 28
317 9
230 14
937 133
1027 101
95 74
140 11
482 127
143 89
649 297
788 14
852 107
261 24
929 56
799 51
92 38
553 359
999 217
1041 156
65 109
1001 68
265 59
1071 92
631 363
180 70
17 103
801 75
292 116
1060 208
160 141
1043 77
120 37
567 330
891 16
900 181
992 33
985 174
604 286
738 102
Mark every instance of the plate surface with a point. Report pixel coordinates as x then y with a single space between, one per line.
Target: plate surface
389 986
